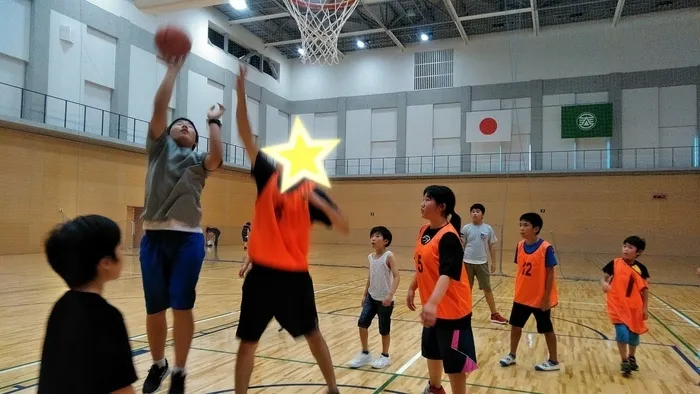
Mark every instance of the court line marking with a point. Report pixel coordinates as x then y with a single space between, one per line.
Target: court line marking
10 369
599 304
680 314
398 372
410 362
676 336
374 371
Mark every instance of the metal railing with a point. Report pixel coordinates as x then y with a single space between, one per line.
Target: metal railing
687 157
39 107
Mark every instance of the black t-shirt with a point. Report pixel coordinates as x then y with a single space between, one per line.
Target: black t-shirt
263 170
637 266
86 347
451 252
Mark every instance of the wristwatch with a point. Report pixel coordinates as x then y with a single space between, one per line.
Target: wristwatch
217 121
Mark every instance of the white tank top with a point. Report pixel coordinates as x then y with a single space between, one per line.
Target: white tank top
380 276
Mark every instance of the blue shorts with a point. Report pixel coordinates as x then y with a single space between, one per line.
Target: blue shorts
624 335
170 266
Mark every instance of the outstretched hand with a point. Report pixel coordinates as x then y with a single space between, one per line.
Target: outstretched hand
175 63
214 112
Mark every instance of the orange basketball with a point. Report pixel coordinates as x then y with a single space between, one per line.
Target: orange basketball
173 41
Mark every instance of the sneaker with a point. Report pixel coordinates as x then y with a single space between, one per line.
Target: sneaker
360 360
177 383
496 318
432 390
548 365
381 362
633 363
155 377
507 360
625 369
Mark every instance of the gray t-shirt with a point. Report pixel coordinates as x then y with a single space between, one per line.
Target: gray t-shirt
174 182
476 238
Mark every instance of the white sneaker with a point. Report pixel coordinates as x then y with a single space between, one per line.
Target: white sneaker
360 360
548 365
507 361
381 362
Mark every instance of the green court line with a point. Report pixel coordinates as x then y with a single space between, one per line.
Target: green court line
676 336
395 375
674 308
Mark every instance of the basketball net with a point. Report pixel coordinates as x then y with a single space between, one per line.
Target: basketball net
320 22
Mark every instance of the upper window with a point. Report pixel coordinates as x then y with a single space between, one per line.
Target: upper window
250 56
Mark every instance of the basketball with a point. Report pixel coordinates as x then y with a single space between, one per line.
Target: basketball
173 41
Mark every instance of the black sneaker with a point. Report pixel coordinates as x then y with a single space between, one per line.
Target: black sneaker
155 377
633 363
177 383
625 369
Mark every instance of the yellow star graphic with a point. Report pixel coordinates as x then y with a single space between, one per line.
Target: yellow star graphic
302 157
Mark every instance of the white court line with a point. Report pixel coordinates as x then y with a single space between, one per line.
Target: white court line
600 304
208 319
20 367
690 322
408 364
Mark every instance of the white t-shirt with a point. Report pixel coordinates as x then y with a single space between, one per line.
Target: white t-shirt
477 237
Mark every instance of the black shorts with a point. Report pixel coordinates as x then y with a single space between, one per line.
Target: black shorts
287 296
372 307
454 347
521 313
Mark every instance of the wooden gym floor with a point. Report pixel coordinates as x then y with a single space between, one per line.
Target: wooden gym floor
667 356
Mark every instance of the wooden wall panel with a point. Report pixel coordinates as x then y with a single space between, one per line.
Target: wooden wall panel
42 174
583 213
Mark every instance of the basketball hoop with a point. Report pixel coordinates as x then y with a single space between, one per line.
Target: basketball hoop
320 22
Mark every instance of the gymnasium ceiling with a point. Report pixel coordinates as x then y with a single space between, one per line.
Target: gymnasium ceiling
396 23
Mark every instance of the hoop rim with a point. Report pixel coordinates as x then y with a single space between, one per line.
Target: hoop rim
337 4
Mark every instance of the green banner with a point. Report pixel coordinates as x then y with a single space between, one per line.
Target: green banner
586 121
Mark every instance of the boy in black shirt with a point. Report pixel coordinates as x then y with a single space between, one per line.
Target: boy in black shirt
86 347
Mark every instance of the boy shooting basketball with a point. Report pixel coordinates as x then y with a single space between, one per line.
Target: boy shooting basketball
378 298
86 348
535 290
479 257
278 250
625 282
173 248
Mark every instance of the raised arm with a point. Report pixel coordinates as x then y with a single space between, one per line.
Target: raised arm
160 102
216 149
244 130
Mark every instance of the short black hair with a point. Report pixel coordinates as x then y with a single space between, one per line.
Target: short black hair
636 241
383 231
74 248
479 207
534 219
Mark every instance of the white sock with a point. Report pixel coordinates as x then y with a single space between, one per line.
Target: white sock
160 363
179 370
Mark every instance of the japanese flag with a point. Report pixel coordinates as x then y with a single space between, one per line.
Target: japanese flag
489 126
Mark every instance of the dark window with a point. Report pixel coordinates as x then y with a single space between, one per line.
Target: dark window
237 50
216 38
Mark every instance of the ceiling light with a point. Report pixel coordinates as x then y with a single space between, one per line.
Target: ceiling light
301 51
424 37
360 44
238 5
